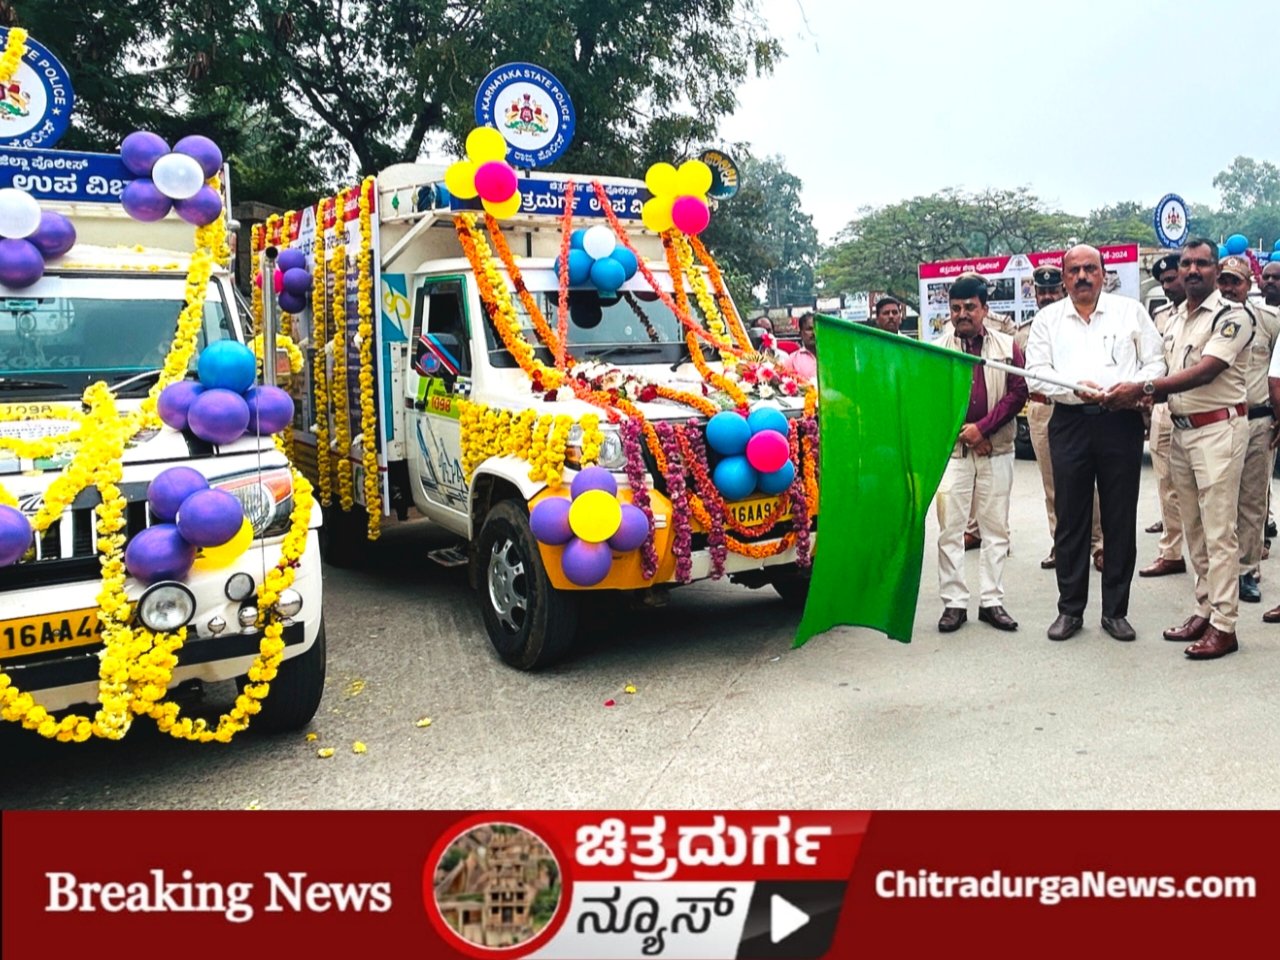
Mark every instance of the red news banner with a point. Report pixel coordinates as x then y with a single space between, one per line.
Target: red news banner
629 884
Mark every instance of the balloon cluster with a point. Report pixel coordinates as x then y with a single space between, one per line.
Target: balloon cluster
755 453
679 197
485 174
293 281
192 516
171 179
225 404
15 535
590 525
596 255
29 236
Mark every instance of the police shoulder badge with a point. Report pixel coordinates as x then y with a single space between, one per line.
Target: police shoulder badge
1230 329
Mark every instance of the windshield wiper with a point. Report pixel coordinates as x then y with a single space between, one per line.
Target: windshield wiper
7 384
626 349
684 357
117 385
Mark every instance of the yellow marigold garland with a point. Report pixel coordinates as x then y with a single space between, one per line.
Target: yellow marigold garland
368 404
338 389
284 343
319 375
44 446
257 243
541 441
15 48
287 330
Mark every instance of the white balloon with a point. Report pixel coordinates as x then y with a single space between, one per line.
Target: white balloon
598 241
177 176
19 214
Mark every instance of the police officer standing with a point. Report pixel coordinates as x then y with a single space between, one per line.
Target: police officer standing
1206 349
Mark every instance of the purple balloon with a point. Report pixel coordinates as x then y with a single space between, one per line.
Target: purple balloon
291 260
210 518
21 264
55 235
15 535
175 400
218 416
169 489
290 303
202 209
159 553
203 150
632 531
594 478
297 281
142 201
549 521
586 564
140 151
270 409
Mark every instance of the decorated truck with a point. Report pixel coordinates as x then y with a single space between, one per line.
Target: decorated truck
551 368
152 533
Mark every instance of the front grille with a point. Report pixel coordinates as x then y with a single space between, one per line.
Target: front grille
67 551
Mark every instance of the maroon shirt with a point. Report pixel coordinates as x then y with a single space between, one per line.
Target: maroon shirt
989 421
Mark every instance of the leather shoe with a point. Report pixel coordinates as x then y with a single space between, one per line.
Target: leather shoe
1249 591
1163 567
1097 560
1193 629
1065 627
971 542
1272 615
1270 529
1049 562
1212 645
998 617
951 619
1119 628
1157 527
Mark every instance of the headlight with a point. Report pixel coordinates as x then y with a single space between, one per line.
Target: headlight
267 499
612 456
239 587
166 606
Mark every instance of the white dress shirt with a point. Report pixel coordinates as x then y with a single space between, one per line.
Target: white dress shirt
1119 344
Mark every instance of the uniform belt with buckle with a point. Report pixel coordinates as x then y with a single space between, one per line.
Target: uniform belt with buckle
1192 420
1257 413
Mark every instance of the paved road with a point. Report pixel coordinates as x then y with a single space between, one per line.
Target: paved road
725 714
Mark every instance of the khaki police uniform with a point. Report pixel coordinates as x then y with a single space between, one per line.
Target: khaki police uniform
1170 547
1255 477
1210 434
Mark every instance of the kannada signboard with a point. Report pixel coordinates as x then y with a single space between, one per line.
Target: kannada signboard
1010 288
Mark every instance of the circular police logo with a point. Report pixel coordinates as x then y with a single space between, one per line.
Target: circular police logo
725 178
1230 329
1171 220
36 102
532 111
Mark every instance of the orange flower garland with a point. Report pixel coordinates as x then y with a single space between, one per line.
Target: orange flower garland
540 325
732 318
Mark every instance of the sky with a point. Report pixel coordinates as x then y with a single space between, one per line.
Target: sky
1085 103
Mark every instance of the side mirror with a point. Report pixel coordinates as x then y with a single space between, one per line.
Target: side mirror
440 355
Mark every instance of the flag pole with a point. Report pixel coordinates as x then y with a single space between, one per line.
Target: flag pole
1022 372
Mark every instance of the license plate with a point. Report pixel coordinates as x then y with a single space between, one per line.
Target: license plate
757 512
52 632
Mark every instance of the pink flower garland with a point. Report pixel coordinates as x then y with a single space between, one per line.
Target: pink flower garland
799 500
562 310
678 492
692 445
630 431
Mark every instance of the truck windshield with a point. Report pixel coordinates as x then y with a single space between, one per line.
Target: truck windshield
69 332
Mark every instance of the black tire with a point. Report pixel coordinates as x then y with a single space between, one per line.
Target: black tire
295 693
793 588
530 623
344 537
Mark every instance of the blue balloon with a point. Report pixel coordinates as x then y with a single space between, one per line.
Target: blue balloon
628 260
579 267
1276 247
608 275
779 480
735 478
1222 251
575 238
228 365
1237 244
767 418
728 433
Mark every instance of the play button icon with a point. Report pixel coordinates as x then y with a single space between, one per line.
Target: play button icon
785 918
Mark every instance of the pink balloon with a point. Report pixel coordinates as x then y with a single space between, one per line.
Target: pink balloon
495 181
690 215
767 451
279 282
805 364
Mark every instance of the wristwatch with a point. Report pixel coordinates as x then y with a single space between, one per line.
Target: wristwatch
1149 388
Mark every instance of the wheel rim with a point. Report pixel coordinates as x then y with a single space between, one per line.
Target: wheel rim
507 592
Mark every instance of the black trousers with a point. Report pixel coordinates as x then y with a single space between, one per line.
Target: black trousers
1089 445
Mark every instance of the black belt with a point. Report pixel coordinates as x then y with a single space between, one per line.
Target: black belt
1257 413
1088 409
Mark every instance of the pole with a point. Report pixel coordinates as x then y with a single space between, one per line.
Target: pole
267 270
1021 372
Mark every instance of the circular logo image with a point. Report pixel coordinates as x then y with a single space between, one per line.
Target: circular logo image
36 103
1171 220
532 111
725 178
495 887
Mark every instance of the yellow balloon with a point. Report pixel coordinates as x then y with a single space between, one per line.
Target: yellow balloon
504 209
595 515
693 179
215 558
460 178
485 144
661 179
656 214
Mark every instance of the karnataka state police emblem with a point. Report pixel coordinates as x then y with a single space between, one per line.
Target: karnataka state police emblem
15 103
1230 329
526 116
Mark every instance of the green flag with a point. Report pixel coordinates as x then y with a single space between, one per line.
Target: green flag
889 411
